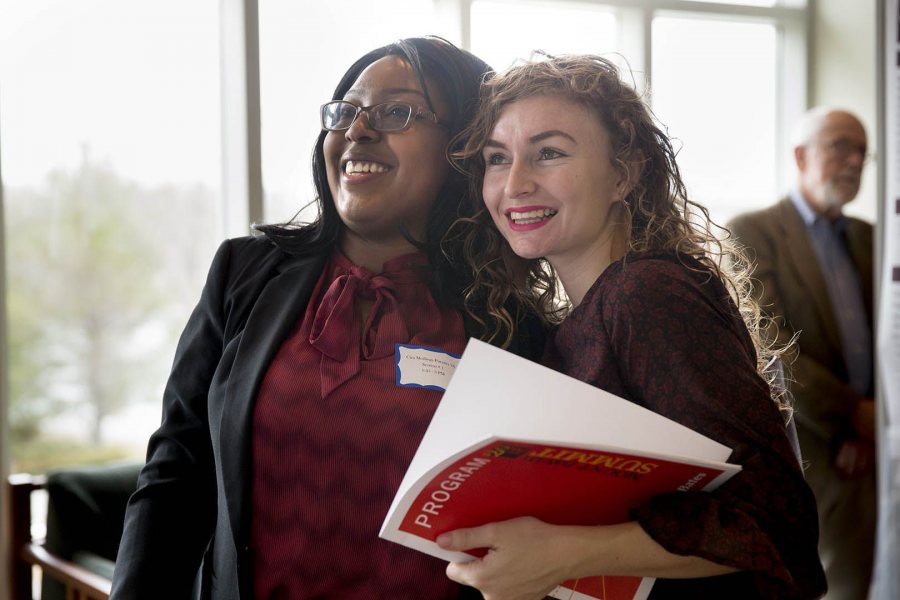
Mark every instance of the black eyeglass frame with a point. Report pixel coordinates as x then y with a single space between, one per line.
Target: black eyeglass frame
415 112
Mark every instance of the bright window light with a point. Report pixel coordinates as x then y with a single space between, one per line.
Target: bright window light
503 32
305 48
714 87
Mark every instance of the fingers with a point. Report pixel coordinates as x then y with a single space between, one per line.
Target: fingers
516 566
465 539
460 540
464 572
854 458
845 461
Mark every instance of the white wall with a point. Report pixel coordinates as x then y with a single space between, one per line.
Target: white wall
843 71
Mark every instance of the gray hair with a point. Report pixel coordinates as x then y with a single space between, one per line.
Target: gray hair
811 122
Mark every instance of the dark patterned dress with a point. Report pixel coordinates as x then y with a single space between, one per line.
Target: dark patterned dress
662 331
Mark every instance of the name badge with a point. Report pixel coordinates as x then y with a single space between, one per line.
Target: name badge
420 366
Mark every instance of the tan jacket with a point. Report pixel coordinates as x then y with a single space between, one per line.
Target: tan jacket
790 286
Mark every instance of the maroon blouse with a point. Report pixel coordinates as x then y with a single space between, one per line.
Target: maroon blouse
665 334
333 435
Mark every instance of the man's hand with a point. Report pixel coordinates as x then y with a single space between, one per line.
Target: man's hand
854 458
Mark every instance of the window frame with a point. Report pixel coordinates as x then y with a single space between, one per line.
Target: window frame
791 19
242 185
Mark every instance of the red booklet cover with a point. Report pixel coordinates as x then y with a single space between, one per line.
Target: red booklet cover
501 479
511 438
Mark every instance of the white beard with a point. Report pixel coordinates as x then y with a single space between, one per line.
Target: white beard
835 198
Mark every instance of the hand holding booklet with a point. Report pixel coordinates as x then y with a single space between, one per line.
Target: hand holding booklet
512 438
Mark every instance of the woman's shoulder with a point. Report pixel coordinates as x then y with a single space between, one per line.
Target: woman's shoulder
639 273
675 264
236 255
244 262
244 266
256 244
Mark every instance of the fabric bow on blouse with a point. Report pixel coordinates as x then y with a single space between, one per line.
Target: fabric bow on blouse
335 329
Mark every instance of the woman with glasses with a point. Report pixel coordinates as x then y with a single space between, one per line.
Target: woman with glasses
580 186
285 433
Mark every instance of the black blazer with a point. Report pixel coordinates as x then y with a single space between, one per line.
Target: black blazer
200 456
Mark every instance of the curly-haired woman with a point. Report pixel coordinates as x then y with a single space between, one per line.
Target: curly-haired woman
580 187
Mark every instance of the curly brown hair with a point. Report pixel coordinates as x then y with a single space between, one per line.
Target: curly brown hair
657 213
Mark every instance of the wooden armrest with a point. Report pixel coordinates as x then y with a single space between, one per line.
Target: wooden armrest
25 481
78 580
80 583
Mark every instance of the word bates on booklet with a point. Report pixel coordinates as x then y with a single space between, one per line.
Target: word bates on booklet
420 366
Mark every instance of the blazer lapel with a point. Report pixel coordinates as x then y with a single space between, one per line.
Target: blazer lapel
806 264
861 251
280 304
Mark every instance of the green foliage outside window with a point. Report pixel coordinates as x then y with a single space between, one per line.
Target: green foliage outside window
101 275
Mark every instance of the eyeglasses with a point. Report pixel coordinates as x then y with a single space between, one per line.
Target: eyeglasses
389 117
844 149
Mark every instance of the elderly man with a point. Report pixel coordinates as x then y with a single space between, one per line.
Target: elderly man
815 276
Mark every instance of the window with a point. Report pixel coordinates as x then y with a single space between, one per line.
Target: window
110 154
305 48
714 87
503 32
722 79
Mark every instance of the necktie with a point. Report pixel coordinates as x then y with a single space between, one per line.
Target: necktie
845 292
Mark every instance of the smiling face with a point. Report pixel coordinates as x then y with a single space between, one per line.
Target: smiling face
381 182
549 184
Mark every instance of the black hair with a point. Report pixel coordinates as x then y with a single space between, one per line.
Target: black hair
458 75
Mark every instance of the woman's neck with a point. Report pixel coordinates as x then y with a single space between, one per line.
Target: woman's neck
577 279
372 254
581 267
577 273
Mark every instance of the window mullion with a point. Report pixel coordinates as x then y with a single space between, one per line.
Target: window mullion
792 92
242 190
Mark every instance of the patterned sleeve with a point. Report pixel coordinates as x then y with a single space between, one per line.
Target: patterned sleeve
685 353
